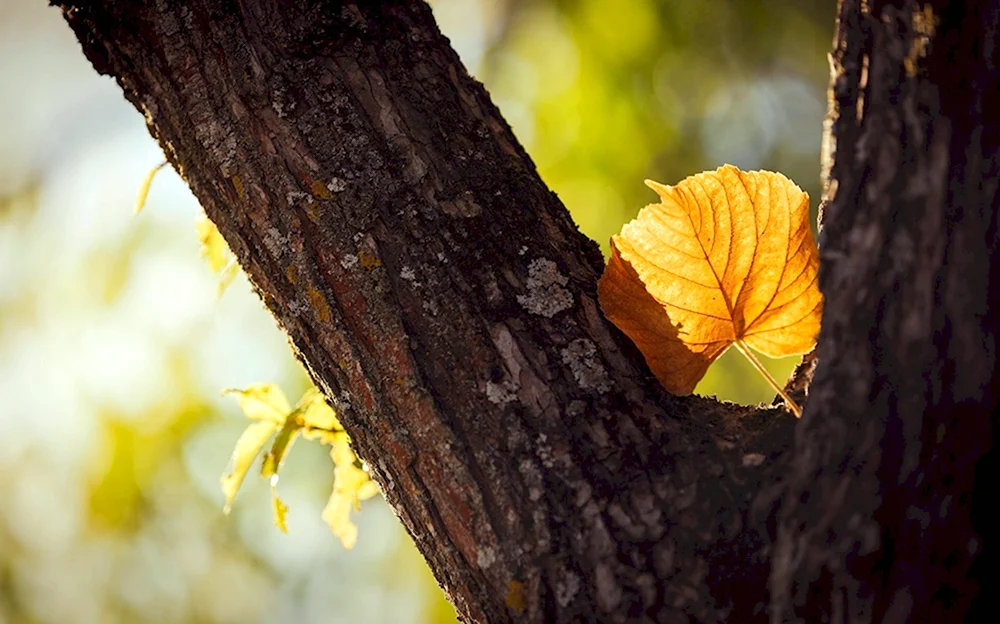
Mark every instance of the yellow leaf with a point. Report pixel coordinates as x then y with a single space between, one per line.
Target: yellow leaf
337 514
368 490
351 485
726 257
315 413
280 510
262 402
213 246
227 276
324 436
279 448
216 251
140 201
313 418
247 448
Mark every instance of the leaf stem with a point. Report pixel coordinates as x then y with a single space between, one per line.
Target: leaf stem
745 350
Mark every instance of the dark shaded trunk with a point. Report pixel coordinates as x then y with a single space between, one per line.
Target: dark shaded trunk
444 301
888 492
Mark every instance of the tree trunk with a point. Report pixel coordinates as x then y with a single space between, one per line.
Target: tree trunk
444 301
885 512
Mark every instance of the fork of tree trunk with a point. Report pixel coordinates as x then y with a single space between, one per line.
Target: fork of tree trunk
444 301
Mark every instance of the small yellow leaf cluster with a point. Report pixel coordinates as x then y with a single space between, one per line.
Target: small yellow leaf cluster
272 417
726 258
267 407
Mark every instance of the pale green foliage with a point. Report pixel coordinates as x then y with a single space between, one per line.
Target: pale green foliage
314 419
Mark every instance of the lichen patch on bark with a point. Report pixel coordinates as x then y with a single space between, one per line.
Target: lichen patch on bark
589 373
546 293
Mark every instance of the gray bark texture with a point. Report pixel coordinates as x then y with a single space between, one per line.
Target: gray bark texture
444 301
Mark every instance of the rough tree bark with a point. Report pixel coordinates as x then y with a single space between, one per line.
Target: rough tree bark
444 301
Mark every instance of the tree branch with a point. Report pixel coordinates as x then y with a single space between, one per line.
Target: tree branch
877 520
444 301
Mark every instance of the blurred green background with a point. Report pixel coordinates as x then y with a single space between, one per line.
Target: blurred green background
114 346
